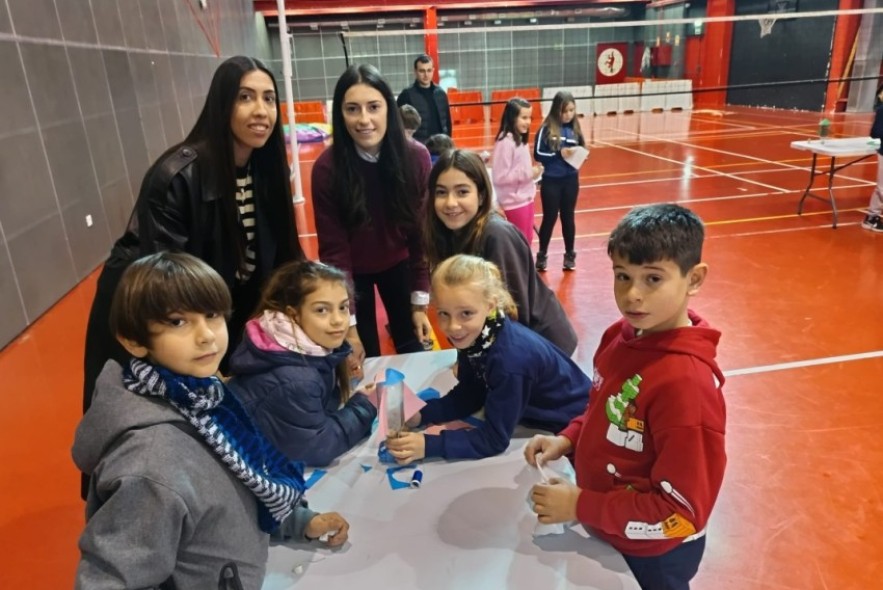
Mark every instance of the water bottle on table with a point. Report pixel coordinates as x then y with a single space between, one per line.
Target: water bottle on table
824 129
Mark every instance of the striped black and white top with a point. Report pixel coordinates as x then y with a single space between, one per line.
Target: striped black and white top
245 203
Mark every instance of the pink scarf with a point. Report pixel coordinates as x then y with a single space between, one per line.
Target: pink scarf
276 331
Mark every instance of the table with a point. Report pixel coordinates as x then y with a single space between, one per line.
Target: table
468 526
859 148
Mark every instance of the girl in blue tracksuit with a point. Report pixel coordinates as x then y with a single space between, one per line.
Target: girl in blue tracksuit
291 372
515 374
873 220
556 139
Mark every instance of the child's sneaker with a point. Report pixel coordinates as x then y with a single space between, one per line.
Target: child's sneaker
569 260
873 223
542 261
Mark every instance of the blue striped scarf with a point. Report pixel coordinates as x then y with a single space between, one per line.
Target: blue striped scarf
220 419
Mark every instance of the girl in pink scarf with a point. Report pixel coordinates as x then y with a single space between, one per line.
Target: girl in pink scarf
291 372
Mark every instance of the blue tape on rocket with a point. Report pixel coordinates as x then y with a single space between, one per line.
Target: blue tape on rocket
428 394
383 454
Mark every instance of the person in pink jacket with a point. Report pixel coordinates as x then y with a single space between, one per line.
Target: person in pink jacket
514 173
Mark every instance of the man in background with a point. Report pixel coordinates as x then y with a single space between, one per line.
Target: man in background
429 99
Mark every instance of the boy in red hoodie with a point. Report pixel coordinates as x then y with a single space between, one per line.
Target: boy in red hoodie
649 450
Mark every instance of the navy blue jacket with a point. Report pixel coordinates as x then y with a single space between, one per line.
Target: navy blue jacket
553 163
295 400
527 380
877 128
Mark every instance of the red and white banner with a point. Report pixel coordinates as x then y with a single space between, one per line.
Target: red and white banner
611 65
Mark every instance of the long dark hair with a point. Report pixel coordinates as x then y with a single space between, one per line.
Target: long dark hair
397 170
440 242
212 138
553 122
510 116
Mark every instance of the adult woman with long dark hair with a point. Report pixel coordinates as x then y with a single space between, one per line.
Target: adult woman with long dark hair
223 194
369 191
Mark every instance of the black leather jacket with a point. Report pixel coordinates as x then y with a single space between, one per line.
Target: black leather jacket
176 211
412 96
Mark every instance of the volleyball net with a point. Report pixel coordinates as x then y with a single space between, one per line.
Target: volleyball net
611 59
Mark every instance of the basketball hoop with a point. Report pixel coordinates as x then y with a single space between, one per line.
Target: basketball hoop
766 25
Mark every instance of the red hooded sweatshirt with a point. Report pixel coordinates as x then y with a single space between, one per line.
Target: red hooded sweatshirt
649 451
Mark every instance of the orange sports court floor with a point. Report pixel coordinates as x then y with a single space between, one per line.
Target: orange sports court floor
799 305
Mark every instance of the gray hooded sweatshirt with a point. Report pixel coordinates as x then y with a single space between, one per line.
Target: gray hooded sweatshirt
162 509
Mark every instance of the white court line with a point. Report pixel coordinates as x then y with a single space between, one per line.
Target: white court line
703 168
734 197
821 226
807 363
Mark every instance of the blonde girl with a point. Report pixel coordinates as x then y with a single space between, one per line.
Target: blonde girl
461 220
514 173
290 370
556 139
517 376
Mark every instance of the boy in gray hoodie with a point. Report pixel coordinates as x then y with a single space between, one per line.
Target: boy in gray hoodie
184 490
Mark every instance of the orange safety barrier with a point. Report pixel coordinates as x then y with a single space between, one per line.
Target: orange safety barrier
461 110
500 97
310 111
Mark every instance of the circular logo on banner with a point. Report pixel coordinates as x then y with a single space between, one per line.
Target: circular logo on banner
610 62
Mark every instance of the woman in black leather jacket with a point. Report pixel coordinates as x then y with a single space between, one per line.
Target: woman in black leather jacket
223 195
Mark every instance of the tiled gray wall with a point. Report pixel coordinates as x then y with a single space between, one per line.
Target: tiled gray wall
94 91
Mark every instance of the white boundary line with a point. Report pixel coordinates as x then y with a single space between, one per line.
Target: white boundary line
806 363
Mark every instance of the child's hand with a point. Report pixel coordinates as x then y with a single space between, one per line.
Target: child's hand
422 327
407 447
331 524
355 366
537 171
555 501
551 447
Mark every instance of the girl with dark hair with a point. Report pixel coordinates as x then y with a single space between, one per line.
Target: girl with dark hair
514 173
369 190
290 369
223 195
873 220
461 220
556 139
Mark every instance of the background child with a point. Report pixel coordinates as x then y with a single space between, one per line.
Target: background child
290 370
649 451
556 139
410 120
513 172
437 145
183 490
510 371
872 220
461 220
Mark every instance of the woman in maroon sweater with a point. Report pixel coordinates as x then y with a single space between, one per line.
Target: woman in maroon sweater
369 191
